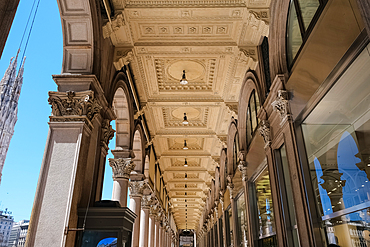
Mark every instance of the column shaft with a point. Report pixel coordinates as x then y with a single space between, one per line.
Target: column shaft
135 206
157 233
119 192
144 227
151 242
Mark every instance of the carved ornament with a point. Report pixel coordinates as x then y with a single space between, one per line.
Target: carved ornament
230 186
127 58
146 202
243 169
115 24
107 132
73 104
122 167
281 104
265 132
137 188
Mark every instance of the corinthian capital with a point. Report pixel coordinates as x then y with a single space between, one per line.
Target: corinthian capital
121 167
73 104
137 188
280 105
146 202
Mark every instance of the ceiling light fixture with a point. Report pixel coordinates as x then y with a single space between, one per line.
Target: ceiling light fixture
186 122
185 146
183 80
186 176
186 163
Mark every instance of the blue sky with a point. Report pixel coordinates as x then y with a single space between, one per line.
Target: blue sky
44 58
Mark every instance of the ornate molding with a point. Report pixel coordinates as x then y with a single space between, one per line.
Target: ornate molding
125 59
264 130
137 188
115 24
122 167
281 104
107 132
73 104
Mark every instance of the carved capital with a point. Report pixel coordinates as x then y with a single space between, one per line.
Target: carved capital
116 23
281 104
137 188
107 132
146 202
124 60
265 132
243 169
73 104
121 167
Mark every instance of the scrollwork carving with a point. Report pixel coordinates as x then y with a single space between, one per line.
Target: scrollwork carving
116 23
281 104
243 169
107 132
137 188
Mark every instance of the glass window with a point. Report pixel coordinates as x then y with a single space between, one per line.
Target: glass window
287 197
266 219
300 16
337 139
229 227
220 226
236 151
252 120
242 222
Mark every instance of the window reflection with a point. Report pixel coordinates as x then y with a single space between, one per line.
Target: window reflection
242 222
266 219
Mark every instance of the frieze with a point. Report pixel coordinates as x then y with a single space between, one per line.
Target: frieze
73 104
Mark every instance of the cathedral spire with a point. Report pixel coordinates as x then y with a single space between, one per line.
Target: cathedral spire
10 88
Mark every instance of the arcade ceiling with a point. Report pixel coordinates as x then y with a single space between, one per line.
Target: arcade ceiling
215 42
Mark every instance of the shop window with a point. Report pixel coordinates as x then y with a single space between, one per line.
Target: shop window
287 199
301 16
252 120
337 141
235 152
242 225
264 209
221 229
229 226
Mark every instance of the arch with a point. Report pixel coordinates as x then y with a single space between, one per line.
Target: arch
250 85
223 168
80 26
138 148
232 134
120 99
277 38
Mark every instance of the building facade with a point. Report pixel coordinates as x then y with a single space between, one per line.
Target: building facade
18 234
6 223
242 123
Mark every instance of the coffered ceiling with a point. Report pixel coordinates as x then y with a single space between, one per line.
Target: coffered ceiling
215 42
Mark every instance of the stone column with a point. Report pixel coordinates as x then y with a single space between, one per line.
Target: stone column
223 218
64 168
136 193
144 223
152 228
121 169
157 227
160 236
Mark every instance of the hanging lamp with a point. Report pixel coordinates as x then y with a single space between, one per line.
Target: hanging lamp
183 80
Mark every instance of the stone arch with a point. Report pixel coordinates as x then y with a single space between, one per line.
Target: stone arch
138 148
223 168
248 86
277 38
231 135
80 24
120 99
